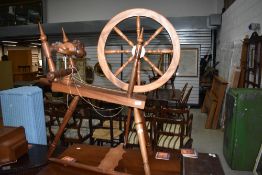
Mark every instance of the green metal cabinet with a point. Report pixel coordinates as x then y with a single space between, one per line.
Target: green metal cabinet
243 128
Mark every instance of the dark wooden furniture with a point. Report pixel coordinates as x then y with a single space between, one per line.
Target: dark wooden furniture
172 129
24 76
76 130
251 58
168 95
29 163
213 102
203 165
13 144
151 110
131 162
182 103
183 90
111 126
54 113
6 78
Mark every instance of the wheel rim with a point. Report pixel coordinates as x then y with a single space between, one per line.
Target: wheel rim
143 13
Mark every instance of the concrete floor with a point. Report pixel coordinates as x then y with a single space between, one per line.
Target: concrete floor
206 140
210 141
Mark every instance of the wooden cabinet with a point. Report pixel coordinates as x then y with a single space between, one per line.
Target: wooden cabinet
6 75
21 60
251 60
22 65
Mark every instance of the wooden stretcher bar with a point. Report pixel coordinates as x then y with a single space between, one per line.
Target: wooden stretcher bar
108 95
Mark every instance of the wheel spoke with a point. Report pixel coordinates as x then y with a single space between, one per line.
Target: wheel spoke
138 26
139 50
120 69
138 72
117 51
154 35
123 36
153 66
160 51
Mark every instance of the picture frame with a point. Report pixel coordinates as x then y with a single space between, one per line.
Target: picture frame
188 64
258 165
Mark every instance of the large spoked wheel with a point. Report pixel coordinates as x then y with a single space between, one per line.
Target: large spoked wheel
164 24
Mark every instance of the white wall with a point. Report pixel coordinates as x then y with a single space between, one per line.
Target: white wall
219 5
89 10
235 22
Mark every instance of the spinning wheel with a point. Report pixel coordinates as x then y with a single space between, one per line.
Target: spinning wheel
139 49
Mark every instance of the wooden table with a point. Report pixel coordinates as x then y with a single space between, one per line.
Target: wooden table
131 162
203 165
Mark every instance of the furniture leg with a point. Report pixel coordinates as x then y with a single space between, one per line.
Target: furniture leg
127 124
148 143
67 117
141 139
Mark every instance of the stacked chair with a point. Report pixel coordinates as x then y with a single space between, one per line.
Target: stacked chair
182 102
172 129
77 129
110 129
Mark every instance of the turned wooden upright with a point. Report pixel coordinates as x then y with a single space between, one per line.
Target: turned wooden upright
62 80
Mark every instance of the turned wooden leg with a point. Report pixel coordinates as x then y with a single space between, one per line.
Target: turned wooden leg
142 141
67 117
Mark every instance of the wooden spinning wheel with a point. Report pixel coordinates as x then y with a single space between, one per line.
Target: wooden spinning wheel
133 101
139 49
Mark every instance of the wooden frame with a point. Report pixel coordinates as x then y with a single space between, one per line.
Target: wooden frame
251 58
188 64
61 80
213 102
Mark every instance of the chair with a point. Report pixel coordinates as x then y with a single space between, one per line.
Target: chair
172 129
76 130
152 79
54 113
183 101
169 83
148 113
184 90
110 128
150 110
181 94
